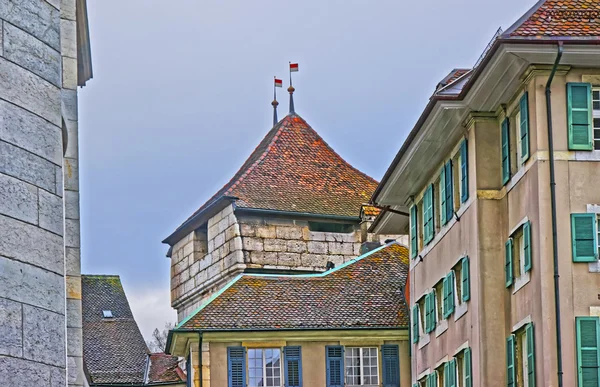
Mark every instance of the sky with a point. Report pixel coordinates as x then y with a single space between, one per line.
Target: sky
182 93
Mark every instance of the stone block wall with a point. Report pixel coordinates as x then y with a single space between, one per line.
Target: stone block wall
39 202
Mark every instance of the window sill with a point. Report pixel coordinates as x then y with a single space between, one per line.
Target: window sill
521 281
593 155
460 310
594 267
441 328
423 341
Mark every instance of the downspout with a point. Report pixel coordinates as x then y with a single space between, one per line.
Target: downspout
553 205
199 357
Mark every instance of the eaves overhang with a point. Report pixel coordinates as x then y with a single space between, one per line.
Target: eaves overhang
84 50
503 65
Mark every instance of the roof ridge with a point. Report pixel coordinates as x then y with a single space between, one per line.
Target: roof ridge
101 275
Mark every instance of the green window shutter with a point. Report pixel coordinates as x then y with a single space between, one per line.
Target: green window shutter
508 262
427 313
529 333
415 324
510 362
505 152
443 195
466 283
433 310
445 297
449 192
414 240
467 368
464 172
588 351
527 246
447 374
450 292
579 116
428 215
434 379
524 126
584 237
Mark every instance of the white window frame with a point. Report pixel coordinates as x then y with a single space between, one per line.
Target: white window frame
361 366
595 114
263 358
522 349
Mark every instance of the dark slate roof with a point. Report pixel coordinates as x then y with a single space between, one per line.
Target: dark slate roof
559 18
165 369
114 350
364 293
294 169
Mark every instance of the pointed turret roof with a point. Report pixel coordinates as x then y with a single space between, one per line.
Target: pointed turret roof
551 19
294 170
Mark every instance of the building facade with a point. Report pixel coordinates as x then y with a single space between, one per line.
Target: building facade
344 327
294 207
487 237
44 56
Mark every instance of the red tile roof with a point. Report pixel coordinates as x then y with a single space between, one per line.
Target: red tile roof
370 210
165 369
556 18
365 293
293 169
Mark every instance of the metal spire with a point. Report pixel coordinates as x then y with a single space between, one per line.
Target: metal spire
275 103
293 68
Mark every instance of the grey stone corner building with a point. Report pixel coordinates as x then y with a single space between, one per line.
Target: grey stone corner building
44 56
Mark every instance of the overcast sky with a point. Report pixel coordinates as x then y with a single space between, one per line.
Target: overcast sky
182 90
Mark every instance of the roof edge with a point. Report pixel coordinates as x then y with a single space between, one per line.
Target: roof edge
522 19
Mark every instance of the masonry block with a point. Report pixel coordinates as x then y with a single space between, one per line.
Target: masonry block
67 9
247 230
341 248
206 261
26 166
27 51
71 204
36 17
289 232
289 259
51 212
30 244
266 232
14 371
71 175
69 73
232 232
263 258
235 244
317 247
43 336
275 245
223 224
314 260
30 132
75 342
296 246
253 244
74 313
194 268
11 328
219 240
68 38
18 199
72 233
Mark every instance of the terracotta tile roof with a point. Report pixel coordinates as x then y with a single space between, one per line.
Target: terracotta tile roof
114 350
364 293
293 169
559 18
165 369
370 211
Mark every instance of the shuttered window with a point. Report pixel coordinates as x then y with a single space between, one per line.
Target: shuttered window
468 379
414 237
464 172
236 366
530 355
430 318
446 193
415 324
443 195
508 262
428 224
335 365
390 355
293 366
450 373
588 351
505 152
527 246
524 127
579 116
448 293
584 237
466 282
510 362
432 379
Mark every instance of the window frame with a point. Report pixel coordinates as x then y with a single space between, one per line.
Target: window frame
263 359
596 116
348 364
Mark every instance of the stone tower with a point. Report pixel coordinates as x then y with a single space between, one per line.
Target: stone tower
44 56
294 207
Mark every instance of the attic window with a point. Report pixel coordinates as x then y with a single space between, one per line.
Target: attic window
331 227
107 314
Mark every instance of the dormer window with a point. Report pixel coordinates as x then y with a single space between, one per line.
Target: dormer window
107 314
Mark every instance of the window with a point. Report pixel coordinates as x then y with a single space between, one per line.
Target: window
293 366
415 324
520 357
430 312
522 122
335 365
596 116
414 237
579 116
439 297
465 283
518 254
362 367
446 195
390 354
584 237
598 233
264 367
432 380
450 373
236 366
331 227
588 350
107 314
505 151
463 368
